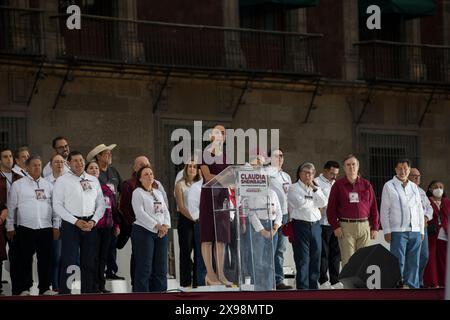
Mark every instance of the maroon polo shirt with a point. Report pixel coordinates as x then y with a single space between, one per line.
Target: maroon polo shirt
339 205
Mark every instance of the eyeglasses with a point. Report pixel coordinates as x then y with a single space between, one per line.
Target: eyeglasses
63 147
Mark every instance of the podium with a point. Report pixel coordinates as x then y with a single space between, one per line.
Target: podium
241 204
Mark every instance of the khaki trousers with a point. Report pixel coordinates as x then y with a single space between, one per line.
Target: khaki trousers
356 236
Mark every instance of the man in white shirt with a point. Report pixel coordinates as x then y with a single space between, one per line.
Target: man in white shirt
414 176
57 164
331 256
279 181
29 205
401 216
304 201
20 157
78 200
61 147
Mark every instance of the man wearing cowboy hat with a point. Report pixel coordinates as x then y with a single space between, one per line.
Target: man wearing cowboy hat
110 177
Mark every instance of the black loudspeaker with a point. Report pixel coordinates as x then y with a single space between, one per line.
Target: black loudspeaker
372 267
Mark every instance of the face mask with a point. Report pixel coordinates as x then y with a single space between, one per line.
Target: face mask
438 192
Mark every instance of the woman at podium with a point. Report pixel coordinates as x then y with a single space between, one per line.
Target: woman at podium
209 169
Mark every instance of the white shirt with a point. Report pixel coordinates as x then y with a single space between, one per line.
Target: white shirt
50 178
192 201
144 209
257 207
325 185
18 170
426 204
31 212
304 204
401 207
48 170
280 181
178 178
70 201
164 194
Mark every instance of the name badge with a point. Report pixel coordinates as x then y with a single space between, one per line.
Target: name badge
286 187
111 186
353 197
86 185
40 194
157 206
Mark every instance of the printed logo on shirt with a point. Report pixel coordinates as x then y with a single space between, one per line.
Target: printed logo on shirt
309 197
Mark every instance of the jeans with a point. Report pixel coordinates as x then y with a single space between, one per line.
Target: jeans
199 264
150 257
280 247
56 263
424 254
77 244
406 247
307 249
264 265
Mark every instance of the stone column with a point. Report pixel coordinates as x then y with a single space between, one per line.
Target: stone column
416 70
131 48
351 36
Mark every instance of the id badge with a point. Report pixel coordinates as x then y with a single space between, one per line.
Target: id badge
157 206
286 187
40 194
353 197
86 185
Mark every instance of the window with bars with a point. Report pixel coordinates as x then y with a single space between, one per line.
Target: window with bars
380 152
13 132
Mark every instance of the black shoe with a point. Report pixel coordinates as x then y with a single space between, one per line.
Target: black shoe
282 286
104 291
114 277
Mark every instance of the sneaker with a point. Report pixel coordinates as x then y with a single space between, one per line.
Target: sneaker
326 286
114 277
25 293
282 286
338 285
49 293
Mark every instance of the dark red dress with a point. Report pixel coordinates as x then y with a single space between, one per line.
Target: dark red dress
206 219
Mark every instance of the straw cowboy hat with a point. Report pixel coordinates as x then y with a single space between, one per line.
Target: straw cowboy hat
98 149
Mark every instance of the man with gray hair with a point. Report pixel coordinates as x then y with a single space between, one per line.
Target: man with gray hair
304 200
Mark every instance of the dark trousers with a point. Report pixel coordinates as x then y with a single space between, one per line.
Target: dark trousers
330 258
307 246
186 243
77 243
111 264
56 265
104 236
12 257
150 256
29 242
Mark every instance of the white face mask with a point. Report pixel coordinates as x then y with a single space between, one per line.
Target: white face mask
438 192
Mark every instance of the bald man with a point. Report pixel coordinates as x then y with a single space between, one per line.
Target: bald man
125 206
414 176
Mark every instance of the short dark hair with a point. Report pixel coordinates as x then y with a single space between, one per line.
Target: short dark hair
87 164
73 154
21 149
56 140
403 160
139 174
331 164
6 149
31 158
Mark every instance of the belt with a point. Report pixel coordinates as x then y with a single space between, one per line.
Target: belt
308 222
84 218
352 220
